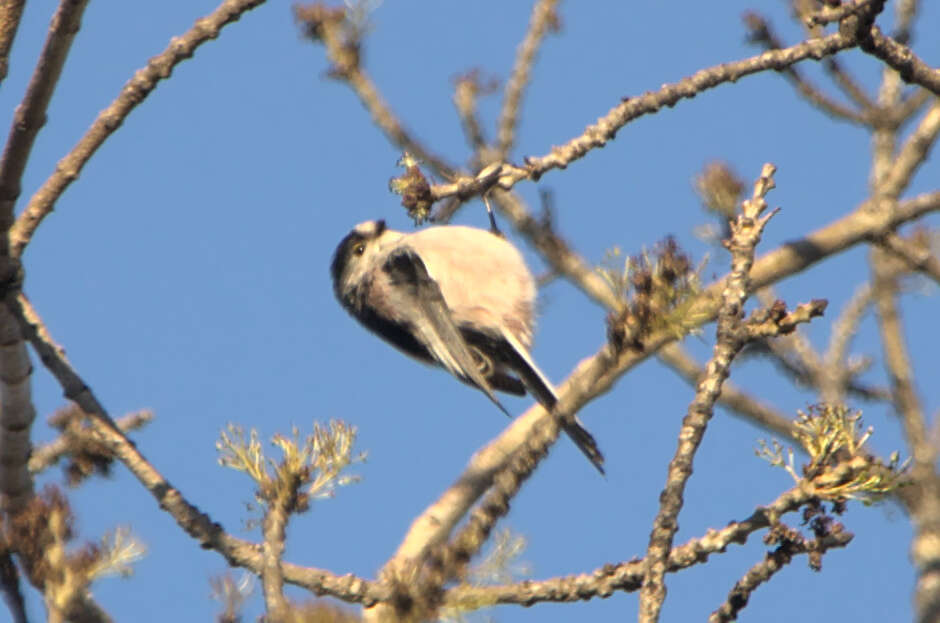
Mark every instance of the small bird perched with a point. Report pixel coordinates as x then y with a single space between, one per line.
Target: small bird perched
458 297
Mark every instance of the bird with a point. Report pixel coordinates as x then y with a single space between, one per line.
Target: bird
453 296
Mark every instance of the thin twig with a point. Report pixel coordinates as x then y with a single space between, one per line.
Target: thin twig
904 13
543 19
835 375
924 503
773 562
840 76
30 115
554 249
10 13
736 400
746 232
916 257
901 58
466 90
846 325
796 345
849 85
628 576
110 119
605 129
330 27
910 104
827 14
761 33
912 154
897 361
804 378
53 357
48 454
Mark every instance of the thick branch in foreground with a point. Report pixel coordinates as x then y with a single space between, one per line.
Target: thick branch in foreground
417 576
110 119
16 415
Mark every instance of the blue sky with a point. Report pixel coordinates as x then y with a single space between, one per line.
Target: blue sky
186 272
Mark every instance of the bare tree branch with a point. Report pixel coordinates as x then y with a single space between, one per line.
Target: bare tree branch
110 119
598 134
746 232
917 257
909 105
912 154
737 401
897 361
198 525
341 41
543 19
16 415
10 14
49 454
904 13
274 530
554 249
773 562
628 576
900 57
466 90
827 14
761 33
30 115
891 171
835 376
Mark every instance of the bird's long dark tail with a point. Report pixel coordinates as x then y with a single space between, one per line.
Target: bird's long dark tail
541 389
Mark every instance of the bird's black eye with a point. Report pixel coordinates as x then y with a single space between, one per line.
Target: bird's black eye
359 249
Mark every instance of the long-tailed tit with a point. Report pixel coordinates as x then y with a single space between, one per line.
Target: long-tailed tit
454 296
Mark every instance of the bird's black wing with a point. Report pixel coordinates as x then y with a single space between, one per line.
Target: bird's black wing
517 356
422 307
